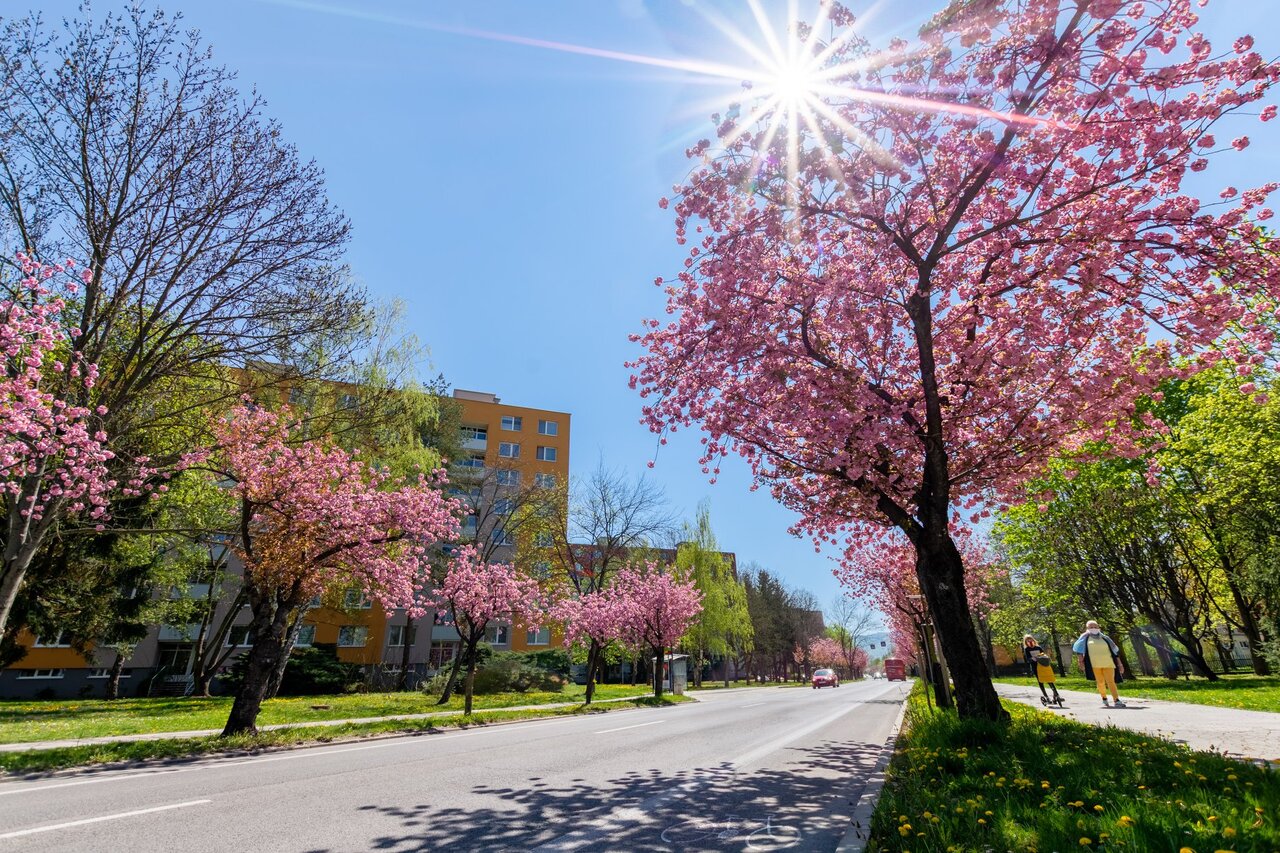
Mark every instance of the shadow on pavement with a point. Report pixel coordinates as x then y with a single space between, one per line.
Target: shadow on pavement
803 805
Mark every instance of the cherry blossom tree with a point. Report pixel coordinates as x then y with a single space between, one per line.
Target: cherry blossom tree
313 517
475 593
955 258
654 610
53 453
592 620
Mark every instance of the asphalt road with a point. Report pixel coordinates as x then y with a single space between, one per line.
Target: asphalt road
751 769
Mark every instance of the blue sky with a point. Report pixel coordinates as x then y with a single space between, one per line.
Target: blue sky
508 193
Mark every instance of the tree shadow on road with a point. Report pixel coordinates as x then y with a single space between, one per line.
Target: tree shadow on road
810 797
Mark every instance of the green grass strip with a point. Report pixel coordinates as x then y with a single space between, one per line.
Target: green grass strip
43 760
1243 692
1045 783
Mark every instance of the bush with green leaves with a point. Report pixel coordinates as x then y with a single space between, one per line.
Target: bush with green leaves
312 671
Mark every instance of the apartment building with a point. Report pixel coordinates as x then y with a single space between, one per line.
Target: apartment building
511 452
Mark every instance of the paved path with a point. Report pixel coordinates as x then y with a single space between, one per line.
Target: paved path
786 765
1244 734
88 741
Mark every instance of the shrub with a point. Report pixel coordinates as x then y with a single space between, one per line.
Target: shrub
513 671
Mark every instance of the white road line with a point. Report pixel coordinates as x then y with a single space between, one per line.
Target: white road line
624 728
755 705
51 827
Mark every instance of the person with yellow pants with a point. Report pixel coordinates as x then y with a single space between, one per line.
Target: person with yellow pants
1099 657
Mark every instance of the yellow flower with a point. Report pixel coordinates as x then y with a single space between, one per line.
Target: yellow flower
905 830
903 818
1086 842
1186 849
1125 820
1229 832
1097 808
982 821
1212 818
1231 777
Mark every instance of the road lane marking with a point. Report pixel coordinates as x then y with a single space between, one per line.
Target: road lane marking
88 820
624 728
755 705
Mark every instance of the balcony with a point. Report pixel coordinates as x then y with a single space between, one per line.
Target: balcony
476 444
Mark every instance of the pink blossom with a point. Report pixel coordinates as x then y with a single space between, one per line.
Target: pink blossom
1240 143
1268 112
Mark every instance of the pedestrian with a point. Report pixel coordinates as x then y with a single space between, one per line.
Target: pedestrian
1030 648
1099 657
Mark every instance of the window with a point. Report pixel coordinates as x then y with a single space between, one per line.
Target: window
475 461
296 395
508 478
396 635
544 481
60 640
356 600
475 434
502 537
504 506
353 635
239 636
497 635
546 454
509 450
537 637
105 672
39 673
512 423
460 492
441 654
306 636
548 428
541 570
543 540
469 525
348 401
315 602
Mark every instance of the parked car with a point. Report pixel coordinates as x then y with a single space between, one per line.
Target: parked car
825 678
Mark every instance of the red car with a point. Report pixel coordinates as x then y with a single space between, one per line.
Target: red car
825 678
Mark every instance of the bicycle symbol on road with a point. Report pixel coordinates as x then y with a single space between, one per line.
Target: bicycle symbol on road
768 837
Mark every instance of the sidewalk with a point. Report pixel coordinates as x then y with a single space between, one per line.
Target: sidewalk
307 724
1240 734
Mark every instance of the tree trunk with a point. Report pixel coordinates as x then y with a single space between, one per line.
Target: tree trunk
1057 651
1139 644
940 571
277 674
268 644
113 682
402 681
635 671
451 683
11 575
660 659
468 688
593 656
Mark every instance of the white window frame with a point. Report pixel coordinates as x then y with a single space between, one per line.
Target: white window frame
507 477
306 637
533 636
61 641
544 481
546 453
242 631
501 635
544 540
513 423
503 537
504 506
361 631
41 674
548 427
473 433
392 630
105 672
435 655
509 450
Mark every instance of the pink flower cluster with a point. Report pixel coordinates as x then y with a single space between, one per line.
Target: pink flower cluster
476 593
644 608
50 451
315 516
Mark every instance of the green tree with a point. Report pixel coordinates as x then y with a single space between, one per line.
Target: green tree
723 628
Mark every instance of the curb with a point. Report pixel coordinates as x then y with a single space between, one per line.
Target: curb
859 833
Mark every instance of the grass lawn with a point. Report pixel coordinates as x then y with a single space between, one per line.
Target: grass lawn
1250 692
1046 783
719 685
55 759
81 718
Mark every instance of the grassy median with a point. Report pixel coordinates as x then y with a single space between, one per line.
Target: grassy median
1246 692
41 760
66 719
1045 783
